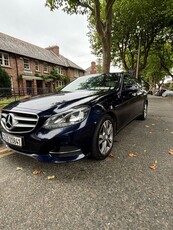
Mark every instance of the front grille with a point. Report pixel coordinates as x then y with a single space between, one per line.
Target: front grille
17 122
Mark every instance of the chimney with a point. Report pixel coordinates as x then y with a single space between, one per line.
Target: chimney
54 49
93 68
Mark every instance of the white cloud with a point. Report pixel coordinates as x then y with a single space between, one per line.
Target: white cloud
31 21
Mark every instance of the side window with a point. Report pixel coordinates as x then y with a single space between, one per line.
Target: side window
129 83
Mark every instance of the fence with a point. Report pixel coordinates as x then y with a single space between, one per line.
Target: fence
8 95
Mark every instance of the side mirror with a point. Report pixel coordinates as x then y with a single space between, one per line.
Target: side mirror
130 89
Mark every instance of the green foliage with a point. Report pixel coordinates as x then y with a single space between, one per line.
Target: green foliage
160 60
134 22
163 46
119 28
71 6
153 72
59 87
54 75
57 77
137 20
66 79
5 80
5 83
99 66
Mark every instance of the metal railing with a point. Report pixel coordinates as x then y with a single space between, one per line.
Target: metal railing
8 95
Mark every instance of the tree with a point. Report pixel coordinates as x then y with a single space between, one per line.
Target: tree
164 49
160 59
137 25
153 73
101 12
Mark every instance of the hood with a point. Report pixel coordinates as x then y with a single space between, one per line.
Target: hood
59 100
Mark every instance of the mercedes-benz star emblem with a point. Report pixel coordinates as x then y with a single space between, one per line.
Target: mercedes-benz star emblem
9 121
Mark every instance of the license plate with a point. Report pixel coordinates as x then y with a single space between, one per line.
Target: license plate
11 139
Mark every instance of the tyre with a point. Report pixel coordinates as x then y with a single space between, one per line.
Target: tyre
103 138
145 111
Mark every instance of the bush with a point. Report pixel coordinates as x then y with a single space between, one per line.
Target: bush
5 83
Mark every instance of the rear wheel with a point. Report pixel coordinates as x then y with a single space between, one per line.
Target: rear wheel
145 111
103 138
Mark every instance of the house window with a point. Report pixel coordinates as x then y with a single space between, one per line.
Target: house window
26 64
76 74
45 68
4 59
37 66
59 70
60 83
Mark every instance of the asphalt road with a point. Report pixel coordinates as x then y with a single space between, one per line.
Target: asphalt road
119 193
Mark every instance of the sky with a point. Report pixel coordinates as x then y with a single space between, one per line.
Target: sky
31 21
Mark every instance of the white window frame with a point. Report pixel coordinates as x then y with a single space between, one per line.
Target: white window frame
26 63
37 66
60 83
45 68
4 59
59 70
76 73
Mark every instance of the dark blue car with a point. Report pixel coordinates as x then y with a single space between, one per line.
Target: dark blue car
80 120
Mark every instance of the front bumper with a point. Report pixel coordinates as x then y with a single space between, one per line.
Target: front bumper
56 146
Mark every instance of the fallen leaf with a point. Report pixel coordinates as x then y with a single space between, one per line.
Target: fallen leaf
111 155
171 151
36 172
132 155
51 177
19 168
153 167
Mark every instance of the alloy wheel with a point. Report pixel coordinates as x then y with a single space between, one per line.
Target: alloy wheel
105 138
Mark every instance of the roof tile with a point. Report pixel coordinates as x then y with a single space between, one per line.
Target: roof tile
17 46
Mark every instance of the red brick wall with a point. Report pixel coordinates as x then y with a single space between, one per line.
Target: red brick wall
12 70
17 69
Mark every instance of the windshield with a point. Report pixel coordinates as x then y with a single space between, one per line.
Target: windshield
97 82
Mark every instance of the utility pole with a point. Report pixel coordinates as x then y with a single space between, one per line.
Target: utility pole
138 58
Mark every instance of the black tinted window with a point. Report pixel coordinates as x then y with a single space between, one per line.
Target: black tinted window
130 83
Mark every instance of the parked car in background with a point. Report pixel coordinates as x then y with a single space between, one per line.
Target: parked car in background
80 120
160 92
167 93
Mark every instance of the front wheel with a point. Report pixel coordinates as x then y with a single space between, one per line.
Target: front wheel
103 138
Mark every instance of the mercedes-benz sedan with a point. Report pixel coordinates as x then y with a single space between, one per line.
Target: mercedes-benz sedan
80 120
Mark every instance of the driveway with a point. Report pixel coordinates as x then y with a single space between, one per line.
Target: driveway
132 189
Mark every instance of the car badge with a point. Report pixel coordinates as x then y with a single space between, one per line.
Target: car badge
9 121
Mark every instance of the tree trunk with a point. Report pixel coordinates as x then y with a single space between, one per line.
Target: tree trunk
106 57
104 31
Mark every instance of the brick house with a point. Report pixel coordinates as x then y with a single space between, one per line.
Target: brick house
30 66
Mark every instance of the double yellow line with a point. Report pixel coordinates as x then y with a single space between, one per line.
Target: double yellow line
5 152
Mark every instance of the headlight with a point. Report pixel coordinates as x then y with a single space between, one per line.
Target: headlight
70 117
